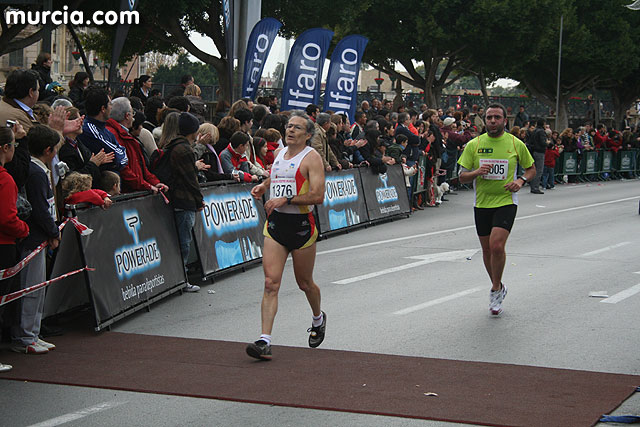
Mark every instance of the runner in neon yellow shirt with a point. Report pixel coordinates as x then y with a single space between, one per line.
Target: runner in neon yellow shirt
490 161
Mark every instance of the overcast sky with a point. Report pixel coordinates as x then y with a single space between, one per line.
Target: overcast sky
278 54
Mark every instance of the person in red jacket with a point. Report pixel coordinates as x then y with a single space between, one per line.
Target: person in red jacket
76 188
550 156
600 137
12 228
135 176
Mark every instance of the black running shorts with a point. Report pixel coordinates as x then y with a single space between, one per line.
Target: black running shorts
293 231
487 218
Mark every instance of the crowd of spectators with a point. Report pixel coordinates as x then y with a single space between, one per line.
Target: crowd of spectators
92 145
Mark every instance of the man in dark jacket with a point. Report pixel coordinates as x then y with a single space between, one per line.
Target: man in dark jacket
43 68
95 135
539 147
184 191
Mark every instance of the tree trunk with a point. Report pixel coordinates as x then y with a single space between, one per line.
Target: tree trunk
483 87
622 101
223 78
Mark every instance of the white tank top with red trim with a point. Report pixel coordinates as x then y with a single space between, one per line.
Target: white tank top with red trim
287 181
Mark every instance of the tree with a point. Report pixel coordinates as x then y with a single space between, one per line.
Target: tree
600 46
157 59
202 74
447 37
17 36
165 23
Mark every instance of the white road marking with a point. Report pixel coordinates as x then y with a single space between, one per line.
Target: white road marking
468 227
67 418
439 300
424 259
613 299
605 249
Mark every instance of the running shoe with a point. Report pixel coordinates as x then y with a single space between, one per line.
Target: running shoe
495 300
33 348
259 350
191 288
317 332
45 344
4 367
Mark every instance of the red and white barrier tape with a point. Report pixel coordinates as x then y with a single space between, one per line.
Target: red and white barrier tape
12 271
166 201
5 299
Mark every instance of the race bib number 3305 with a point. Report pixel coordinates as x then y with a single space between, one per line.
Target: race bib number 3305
499 169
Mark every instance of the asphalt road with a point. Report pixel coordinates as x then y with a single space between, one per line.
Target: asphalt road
412 287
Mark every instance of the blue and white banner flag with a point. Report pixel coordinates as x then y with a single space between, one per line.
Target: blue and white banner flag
341 90
258 48
304 70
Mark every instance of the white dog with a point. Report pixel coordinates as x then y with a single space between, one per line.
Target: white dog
439 191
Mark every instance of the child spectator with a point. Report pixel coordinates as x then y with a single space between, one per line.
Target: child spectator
274 139
25 332
208 136
110 182
260 148
395 150
550 156
76 188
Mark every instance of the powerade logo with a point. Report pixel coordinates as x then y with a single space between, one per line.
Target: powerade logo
139 257
386 194
340 189
227 213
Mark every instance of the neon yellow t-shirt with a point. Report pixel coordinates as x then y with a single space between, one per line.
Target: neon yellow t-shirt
503 153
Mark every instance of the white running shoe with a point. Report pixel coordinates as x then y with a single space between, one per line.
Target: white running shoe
191 288
45 344
495 300
4 367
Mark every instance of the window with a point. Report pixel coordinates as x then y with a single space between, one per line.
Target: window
16 58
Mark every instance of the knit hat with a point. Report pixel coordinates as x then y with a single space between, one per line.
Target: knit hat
449 121
188 124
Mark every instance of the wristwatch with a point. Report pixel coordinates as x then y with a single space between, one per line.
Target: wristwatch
523 178
289 200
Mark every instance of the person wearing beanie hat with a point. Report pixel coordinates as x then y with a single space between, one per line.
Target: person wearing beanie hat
184 191
188 124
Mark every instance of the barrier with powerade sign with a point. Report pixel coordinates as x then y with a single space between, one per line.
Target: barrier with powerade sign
136 257
343 205
228 231
385 194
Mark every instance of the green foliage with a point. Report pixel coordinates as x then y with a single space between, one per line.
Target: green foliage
139 42
203 74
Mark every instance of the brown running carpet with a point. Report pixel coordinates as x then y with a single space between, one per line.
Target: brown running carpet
466 392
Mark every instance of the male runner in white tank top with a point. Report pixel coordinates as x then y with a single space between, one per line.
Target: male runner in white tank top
296 184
